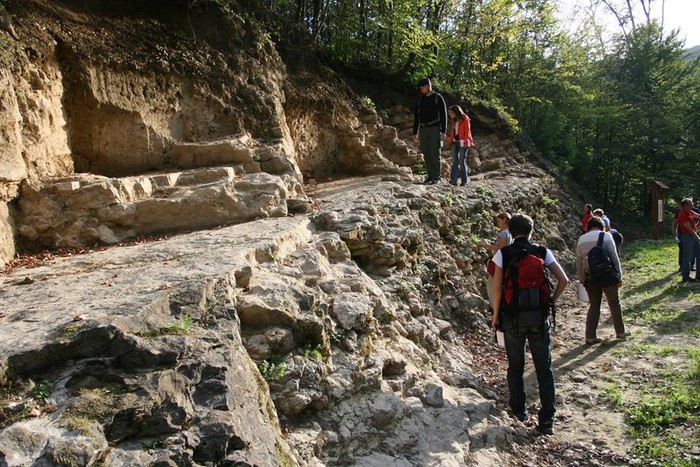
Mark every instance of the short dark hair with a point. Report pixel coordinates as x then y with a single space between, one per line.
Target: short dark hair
595 223
521 225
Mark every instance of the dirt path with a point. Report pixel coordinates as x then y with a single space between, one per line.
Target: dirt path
587 430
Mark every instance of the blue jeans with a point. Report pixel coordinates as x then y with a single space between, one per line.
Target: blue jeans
539 341
691 250
459 162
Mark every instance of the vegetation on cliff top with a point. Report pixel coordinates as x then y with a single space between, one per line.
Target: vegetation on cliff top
612 110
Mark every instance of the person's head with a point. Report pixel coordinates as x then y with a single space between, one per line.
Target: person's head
521 225
686 204
587 208
596 223
503 220
598 212
425 86
457 112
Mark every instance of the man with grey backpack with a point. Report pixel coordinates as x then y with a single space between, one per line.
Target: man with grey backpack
598 268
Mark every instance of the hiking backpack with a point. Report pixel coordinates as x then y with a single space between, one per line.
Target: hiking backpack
527 289
601 272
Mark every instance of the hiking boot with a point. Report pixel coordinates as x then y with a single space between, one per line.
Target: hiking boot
596 340
689 279
624 335
544 430
463 184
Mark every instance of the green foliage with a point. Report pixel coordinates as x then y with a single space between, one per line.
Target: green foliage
272 369
181 326
614 395
369 102
548 202
313 352
42 392
484 191
448 199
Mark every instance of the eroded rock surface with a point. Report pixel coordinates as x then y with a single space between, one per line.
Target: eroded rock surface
345 325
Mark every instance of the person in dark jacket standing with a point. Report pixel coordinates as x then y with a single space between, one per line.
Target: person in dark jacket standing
429 123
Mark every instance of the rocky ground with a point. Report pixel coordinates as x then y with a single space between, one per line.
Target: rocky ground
587 430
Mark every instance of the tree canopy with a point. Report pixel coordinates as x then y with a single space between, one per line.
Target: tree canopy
614 109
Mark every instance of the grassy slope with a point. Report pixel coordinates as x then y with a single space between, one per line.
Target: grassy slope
662 407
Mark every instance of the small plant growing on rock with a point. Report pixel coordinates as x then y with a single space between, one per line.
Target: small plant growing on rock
337 337
313 352
448 199
42 392
547 201
182 326
435 212
272 369
369 102
483 191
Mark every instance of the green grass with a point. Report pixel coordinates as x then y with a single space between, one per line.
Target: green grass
652 290
614 395
664 421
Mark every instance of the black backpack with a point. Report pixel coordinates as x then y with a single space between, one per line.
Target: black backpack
601 272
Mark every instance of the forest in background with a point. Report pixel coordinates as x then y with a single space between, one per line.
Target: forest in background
613 109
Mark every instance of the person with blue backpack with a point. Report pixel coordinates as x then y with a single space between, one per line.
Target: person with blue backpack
524 310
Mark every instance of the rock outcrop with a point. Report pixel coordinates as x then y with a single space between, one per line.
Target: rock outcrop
305 302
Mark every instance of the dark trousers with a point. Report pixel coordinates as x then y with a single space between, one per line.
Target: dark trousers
595 299
430 147
539 341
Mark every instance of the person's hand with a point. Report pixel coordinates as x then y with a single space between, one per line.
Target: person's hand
494 322
461 143
442 136
619 284
415 138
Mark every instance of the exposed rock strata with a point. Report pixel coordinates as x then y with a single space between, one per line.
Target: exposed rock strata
354 317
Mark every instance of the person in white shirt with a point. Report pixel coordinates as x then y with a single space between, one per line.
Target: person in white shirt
595 294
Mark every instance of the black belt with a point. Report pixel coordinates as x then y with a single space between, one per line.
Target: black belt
429 124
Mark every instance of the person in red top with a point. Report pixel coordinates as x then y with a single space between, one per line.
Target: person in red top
587 214
690 242
460 140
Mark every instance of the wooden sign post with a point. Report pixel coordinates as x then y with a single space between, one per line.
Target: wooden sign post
657 208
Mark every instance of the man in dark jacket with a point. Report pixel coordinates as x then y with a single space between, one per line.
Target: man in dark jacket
429 123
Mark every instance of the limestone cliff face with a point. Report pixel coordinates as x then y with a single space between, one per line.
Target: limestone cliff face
311 303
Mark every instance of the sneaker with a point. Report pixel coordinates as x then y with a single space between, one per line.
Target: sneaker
453 183
463 184
545 430
624 335
596 340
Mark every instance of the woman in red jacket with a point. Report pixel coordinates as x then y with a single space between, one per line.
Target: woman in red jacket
460 140
587 214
